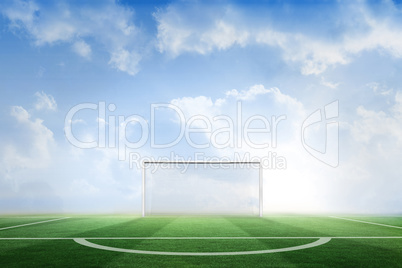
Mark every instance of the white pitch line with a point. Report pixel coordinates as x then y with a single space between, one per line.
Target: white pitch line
32 223
319 242
386 225
36 238
25 217
200 238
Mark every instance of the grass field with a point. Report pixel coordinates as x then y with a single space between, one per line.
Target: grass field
331 241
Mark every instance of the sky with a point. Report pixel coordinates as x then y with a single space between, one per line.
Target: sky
91 89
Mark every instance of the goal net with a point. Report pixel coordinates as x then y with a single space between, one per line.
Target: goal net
202 188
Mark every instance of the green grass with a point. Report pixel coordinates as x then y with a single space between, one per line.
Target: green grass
374 252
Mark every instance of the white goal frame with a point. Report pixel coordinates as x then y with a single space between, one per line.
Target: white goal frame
260 179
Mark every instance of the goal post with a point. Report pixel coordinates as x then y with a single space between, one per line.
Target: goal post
195 164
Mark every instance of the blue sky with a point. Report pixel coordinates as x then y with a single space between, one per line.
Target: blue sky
274 57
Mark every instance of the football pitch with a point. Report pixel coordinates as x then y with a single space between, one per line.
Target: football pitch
177 241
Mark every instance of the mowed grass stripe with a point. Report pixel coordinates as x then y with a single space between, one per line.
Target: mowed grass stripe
200 226
337 253
205 227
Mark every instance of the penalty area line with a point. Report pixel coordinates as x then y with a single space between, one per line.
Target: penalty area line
32 223
374 223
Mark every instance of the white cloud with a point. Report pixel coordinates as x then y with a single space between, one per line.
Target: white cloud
20 114
82 49
397 108
329 84
370 158
199 28
223 36
106 23
249 94
45 102
252 103
307 185
33 156
35 150
183 31
279 97
200 105
380 126
315 56
177 34
21 13
383 35
380 89
125 61
305 179
205 106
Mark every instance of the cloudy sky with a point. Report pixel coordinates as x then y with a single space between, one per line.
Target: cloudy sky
91 89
